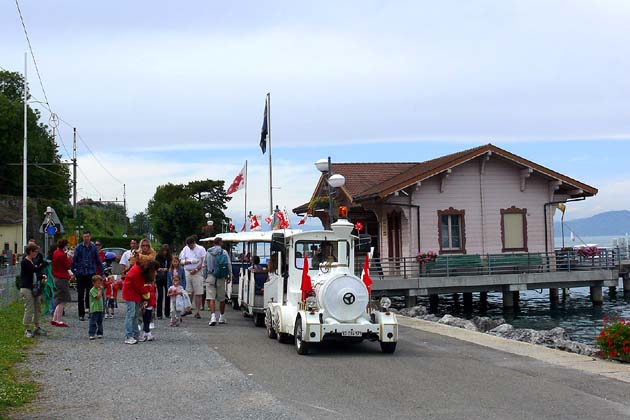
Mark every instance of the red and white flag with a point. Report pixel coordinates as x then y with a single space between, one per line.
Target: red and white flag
366 275
253 223
307 286
269 218
283 219
244 226
303 219
238 183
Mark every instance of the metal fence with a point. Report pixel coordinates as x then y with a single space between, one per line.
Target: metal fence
495 264
8 291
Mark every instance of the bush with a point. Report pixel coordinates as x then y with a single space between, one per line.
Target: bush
614 340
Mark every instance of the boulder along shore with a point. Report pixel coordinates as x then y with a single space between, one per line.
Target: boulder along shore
556 338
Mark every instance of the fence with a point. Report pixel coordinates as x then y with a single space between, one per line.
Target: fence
495 264
8 291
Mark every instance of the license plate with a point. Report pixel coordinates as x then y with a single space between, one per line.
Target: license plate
351 333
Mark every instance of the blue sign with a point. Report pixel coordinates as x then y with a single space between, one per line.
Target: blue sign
51 230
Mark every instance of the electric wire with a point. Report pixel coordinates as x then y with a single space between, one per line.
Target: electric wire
87 178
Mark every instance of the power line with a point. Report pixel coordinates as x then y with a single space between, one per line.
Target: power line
97 160
89 182
30 47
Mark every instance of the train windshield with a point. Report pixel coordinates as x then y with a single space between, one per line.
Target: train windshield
318 252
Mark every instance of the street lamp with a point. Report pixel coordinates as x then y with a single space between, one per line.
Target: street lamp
332 181
209 222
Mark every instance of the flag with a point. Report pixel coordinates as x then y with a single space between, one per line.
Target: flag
244 226
270 218
253 223
231 227
366 275
264 131
307 286
238 183
283 219
303 219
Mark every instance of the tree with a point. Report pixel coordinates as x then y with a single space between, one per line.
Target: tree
177 210
141 224
50 182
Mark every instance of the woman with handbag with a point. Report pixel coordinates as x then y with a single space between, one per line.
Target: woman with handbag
30 291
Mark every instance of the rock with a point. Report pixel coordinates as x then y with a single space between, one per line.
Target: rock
575 347
429 317
484 324
554 335
457 322
394 310
502 330
414 311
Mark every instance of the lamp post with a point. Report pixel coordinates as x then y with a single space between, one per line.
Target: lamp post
332 181
209 222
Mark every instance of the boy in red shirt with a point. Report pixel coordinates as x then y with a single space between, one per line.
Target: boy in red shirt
149 302
112 285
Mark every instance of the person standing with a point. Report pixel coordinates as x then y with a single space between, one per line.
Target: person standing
85 263
96 308
217 269
145 253
133 293
164 258
30 291
192 257
126 256
61 265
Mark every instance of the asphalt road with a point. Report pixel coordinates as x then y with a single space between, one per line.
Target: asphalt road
234 371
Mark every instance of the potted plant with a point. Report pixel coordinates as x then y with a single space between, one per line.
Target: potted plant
614 340
320 202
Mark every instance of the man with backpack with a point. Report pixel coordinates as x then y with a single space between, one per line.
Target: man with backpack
217 269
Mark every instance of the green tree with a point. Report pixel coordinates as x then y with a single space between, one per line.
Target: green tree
140 224
177 210
48 182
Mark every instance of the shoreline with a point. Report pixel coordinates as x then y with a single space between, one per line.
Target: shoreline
587 364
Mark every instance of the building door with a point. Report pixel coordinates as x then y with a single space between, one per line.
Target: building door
394 238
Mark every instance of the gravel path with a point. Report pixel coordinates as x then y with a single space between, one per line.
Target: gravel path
179 375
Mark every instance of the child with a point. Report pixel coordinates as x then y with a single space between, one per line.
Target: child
147 315
176 292
112 285
96 308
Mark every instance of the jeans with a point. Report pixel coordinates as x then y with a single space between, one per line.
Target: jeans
131 320
96 324
163 301
84 284
146 320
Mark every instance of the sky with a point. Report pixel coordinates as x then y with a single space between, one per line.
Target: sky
174 91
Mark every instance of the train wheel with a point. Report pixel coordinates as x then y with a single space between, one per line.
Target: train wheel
271 333
301 347
388 347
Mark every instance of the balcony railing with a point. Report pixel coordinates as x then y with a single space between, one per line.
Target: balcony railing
494 264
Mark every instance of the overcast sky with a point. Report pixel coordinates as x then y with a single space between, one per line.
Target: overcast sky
174 91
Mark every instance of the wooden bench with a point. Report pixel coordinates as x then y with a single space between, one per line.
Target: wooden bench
514 263
454 265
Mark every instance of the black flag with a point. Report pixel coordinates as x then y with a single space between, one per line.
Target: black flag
263 132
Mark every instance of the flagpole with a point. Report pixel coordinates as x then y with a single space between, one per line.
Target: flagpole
269 136
245 214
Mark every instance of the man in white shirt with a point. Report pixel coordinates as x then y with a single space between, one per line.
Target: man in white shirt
192 258
126 256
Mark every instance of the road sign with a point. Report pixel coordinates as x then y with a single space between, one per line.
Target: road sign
51 230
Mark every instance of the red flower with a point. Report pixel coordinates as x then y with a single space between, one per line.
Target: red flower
606 318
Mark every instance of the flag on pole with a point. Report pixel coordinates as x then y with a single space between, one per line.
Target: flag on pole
303 219
244 226
283 219
307 286
238 183
264 131
269 218
253 223
365 276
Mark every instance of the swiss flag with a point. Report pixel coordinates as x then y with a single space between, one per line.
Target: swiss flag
307 286
269 219
283 219
254 224
303 219
238 183
366 275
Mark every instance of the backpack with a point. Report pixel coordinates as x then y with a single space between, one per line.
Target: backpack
220 266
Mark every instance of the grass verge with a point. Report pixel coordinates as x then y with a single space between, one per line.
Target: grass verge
16 388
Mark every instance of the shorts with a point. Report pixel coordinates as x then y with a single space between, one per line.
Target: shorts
194 283
62 290
215 288
111 303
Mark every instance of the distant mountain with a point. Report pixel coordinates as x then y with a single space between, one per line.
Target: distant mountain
602 224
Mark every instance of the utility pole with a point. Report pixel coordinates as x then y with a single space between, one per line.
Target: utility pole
74 183
24 160
125 207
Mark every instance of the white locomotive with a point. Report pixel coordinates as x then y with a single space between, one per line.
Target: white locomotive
340 307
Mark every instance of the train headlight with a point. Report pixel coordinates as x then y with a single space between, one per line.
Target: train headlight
311 303
385 303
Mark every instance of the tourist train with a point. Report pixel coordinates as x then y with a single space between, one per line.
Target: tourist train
304 290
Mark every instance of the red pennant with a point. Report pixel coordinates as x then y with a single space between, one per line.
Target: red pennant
366 275
307 286
238 183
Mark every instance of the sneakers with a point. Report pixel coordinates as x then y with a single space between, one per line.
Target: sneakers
99 336
81 318
39 331
143 337
28 334
58 324
197 316
92 337
131 340
107 316
150 337
213 320
221 319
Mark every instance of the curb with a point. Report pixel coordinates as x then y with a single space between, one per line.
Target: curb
613 370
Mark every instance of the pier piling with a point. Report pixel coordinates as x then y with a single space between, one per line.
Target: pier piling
434 300
508 300
626 285
468 302
596 295
553 296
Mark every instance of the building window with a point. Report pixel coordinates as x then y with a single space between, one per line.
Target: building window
514 229
451 231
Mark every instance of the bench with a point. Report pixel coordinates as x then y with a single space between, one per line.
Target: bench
511 263
454 265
